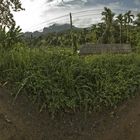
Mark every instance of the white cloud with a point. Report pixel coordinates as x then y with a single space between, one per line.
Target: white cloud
32 14
39 13
137 2
92 15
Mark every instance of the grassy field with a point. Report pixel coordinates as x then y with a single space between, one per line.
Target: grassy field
60 81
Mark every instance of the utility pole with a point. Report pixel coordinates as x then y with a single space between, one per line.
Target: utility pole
73 37
71 21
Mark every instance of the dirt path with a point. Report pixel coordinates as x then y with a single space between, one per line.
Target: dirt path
22 121
126 124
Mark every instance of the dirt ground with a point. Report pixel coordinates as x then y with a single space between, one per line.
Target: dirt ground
22 121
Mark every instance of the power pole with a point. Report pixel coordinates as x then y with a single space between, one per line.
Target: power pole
71 21
73 37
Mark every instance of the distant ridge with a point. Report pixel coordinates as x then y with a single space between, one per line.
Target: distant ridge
55 28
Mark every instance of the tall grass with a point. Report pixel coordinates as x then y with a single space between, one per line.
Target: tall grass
62 81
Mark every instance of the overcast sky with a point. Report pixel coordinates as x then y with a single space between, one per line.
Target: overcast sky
39 13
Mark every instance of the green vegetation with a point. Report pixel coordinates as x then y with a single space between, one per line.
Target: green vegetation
6 12
122 28
61 81
10 38
56 79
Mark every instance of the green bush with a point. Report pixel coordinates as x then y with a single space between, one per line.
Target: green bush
62 81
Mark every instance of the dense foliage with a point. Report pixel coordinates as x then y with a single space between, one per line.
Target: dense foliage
11 37
57 80
6 15
62 81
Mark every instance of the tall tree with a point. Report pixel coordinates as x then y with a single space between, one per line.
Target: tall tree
100 28
120 21
108 16
6 8
128 19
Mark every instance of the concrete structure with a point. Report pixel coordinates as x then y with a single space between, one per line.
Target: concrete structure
90 48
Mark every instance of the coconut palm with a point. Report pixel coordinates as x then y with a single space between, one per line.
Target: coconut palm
120 21
108 16
128 19
100 28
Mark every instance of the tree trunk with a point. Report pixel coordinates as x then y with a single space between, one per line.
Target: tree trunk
120 34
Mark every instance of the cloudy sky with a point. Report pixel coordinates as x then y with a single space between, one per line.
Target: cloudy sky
40 13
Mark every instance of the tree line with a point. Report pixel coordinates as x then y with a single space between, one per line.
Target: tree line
113 28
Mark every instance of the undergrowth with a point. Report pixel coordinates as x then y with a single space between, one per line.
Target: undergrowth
60 81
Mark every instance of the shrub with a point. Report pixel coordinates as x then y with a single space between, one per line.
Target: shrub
62 81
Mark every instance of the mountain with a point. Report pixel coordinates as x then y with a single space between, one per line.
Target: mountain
55 28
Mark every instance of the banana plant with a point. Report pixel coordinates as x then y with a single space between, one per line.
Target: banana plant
11 37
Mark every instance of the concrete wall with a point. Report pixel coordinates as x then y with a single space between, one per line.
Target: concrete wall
104 48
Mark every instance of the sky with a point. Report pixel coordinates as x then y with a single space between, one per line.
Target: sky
43 13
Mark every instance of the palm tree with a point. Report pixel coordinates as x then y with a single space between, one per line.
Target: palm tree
99 31
128 19
94 33
108 19
120 21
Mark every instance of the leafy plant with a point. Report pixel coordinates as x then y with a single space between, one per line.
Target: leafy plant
60 81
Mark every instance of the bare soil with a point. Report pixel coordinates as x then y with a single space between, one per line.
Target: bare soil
22 121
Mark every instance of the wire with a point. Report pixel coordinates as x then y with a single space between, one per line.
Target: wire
64 20
90 10
50 23
87 15
56 18
79 15
47 21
